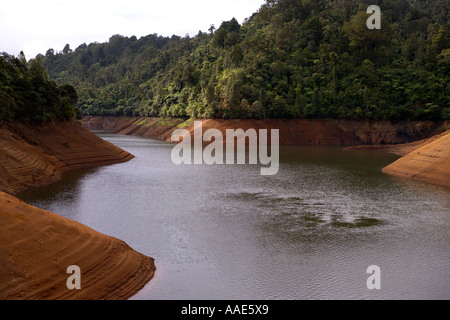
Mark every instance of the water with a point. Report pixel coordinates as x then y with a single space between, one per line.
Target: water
226 232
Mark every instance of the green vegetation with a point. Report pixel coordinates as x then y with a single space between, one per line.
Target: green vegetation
26 93
168 122
293 58
142 122
186 123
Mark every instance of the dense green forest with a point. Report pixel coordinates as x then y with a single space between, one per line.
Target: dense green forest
292 58
26 93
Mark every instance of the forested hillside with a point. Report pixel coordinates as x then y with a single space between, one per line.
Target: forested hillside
26 93
292 58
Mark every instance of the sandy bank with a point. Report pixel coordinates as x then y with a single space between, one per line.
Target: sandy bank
292 131
427 161
36 155
36 246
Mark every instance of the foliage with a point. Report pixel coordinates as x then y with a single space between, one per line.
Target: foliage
26 93
293 58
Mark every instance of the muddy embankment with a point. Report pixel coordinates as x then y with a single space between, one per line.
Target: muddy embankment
292 132
423 141
427 160
37 247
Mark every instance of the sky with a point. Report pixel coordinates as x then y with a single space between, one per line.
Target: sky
35 26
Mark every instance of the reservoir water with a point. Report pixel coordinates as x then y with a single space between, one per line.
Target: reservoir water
226 232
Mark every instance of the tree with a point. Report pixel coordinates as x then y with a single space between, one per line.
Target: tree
26 93
237 55
50 53
7 105
38 71
300 101
69 93
228 34
311 58
365 43
441 40
316 101
67 49
22 58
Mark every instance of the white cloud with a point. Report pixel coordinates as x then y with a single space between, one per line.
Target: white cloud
35 26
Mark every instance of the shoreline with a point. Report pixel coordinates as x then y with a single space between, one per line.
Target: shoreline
37 246
428 161
34 155
404 138
292 131
399 149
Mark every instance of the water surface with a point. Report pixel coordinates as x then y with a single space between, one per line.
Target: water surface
226 232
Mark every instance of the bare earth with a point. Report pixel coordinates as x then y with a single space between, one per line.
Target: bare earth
292 131
428 161
33 155
36 246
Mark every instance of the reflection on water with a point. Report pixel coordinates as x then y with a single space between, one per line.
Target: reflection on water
226 232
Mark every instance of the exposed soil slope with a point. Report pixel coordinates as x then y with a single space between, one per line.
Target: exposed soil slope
429 162
35 155
36 246
292 132
423 140
401 149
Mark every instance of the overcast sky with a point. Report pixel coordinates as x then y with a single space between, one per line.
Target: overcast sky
35 26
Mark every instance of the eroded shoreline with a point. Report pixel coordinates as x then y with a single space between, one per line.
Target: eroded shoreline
423 145
37 246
